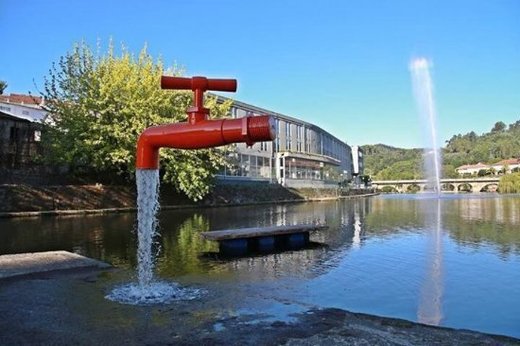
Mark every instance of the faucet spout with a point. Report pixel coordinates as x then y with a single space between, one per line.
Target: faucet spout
200 135
199 132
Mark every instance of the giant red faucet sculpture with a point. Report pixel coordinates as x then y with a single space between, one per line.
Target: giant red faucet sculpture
199 132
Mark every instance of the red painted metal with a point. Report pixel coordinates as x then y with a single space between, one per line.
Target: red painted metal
199 132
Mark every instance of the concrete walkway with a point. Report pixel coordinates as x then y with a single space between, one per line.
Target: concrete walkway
72 309
38 262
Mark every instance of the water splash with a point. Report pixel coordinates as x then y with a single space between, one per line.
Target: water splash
147 208
423 92
155 293
147 291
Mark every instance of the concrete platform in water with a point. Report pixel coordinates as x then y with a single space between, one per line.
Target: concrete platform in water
238 242
39 262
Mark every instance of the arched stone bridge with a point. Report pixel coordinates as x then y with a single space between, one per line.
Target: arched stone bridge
450 184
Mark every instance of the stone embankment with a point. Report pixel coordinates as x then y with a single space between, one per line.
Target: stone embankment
27 200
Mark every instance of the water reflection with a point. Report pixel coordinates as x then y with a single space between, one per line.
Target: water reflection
453 261
430 307
182 248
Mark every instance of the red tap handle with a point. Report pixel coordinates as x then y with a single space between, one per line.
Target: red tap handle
198 83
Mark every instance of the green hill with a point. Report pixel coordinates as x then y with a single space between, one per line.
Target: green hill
384 162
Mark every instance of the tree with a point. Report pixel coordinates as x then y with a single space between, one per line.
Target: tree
499 127
3 86
482 172
99 106
514 126
509 183
448 171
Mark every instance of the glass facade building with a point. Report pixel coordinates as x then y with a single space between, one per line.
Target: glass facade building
302 155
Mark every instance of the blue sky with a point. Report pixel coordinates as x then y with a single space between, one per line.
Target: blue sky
342 65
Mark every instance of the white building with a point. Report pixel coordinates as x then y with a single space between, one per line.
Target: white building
509 165
358 166
471 169
26 107
506 166
21 117
302 155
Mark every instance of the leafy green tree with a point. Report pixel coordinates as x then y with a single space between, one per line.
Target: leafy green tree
499 127
514 126
406 169
3 86
100 103
509 183
448 171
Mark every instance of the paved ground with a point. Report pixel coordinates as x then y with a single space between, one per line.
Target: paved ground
38 262
69 307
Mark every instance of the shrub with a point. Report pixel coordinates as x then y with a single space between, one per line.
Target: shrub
509 183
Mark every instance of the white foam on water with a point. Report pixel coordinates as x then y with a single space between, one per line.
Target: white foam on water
157 292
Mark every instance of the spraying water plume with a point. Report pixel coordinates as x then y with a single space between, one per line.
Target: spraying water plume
423 92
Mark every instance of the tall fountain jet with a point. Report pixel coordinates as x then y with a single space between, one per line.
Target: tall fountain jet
423 91
430 304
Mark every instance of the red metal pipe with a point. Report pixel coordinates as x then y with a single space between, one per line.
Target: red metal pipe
203 83
199 132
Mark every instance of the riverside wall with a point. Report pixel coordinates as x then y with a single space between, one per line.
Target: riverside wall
27 200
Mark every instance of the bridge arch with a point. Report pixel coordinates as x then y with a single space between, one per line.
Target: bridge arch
491 187
447 184
388 189
464 187
448 187
413 188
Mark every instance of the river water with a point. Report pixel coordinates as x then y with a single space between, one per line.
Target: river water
453 261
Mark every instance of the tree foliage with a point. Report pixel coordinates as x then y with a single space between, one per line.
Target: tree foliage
100 103
3 86
502 142
509 183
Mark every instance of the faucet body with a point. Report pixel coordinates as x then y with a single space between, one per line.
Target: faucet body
199 132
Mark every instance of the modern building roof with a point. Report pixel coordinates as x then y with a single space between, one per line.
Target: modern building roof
21 99
481 165
478 165
508 162
27 107
10 116
259 110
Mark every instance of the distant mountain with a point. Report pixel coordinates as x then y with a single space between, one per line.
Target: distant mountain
387 162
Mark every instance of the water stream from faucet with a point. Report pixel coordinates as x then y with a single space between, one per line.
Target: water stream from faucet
147 290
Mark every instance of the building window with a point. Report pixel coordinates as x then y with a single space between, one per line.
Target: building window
37 135
14 134
277 140
288 138
299 135
25 112
308 141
